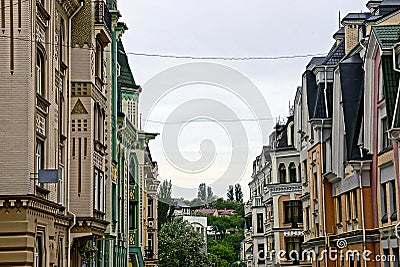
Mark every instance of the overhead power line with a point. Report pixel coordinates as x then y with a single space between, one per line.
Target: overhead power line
180 56
225 58
202 120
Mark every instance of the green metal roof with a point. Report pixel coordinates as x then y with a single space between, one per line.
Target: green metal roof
390 85
125 78
387 35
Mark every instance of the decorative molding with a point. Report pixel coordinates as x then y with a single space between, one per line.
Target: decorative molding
69 6
79 108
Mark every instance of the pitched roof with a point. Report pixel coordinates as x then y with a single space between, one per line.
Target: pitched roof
357 16
336 53
315 61
386 35
390 3
206 211
125 78
352 85
390 85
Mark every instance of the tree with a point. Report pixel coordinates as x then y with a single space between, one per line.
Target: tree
201 193
180 245
210 193
238 193
165 191
165 207
230 193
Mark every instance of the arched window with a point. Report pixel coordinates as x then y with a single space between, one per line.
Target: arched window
292 173
282 173
40 74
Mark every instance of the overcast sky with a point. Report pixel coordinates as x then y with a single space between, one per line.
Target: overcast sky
224 28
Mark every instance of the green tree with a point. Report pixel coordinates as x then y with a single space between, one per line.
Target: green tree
230 194
202 193
238 193
165 191
180 245
210 193
165 207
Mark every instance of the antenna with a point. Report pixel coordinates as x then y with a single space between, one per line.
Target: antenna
339 20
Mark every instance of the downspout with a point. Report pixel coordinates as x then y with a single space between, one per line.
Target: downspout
114 95
69 129
323 190
322 162
362 214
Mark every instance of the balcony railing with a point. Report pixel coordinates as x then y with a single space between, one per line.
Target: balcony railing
102 15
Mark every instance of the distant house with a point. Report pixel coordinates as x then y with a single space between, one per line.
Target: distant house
226 212
180 207
199 224
213 212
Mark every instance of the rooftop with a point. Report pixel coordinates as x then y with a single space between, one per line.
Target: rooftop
387 35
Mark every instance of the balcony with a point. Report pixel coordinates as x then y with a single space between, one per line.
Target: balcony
102 15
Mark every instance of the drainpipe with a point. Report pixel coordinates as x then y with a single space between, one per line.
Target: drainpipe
322 161
69 130
362 214
114 94
323 187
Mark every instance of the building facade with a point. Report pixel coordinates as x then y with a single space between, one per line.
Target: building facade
81 190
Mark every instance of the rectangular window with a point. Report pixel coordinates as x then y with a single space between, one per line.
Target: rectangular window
85 147
150 208
355 202
348 207
384 209
386 253
150 241
384 134
260 223
132 214
393 199
101 192
315 186
39 251
73 147
96 190
305 171
307 219
61 185
114 203
339 209
293 244
293 212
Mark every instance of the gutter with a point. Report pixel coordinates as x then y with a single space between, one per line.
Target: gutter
69 130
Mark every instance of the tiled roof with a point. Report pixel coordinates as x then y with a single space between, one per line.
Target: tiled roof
387 35
336 54
339 32
125 78
390 85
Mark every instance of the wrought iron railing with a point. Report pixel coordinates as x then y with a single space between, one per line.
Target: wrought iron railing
102 14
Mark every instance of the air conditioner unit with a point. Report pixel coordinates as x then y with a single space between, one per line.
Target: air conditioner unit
151 224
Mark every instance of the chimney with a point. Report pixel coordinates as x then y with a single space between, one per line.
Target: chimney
373 5
353 29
